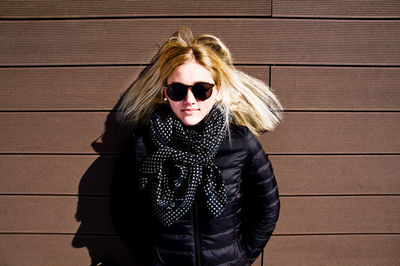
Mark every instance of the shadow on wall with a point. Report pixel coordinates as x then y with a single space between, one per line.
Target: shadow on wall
113 225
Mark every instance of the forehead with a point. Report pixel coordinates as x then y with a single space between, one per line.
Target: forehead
190 73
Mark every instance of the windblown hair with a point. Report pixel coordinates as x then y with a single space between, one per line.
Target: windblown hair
246 100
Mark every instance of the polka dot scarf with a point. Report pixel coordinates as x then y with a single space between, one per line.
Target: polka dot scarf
182 164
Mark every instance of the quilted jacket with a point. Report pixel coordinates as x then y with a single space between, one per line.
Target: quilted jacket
237 237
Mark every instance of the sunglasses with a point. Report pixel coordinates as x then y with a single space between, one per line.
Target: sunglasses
178 91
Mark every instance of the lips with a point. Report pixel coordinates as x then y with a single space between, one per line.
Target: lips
190 110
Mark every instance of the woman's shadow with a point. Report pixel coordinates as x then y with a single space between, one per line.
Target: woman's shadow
114 221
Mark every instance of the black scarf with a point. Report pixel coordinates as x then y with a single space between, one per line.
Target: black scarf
182 162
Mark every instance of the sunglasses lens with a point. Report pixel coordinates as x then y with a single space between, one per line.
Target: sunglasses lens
201 91
177 91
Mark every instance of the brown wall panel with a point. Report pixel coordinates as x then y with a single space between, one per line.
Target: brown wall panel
118 8
56 174
56 214
355 250
296 175
65 250
73 132
336 88
259 72
322 175
84 88
278 41
337 171
359 214
335 133
299 215
337 8
62 250
70 88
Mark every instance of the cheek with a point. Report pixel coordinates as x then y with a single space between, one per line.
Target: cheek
212 100
207 107
173 105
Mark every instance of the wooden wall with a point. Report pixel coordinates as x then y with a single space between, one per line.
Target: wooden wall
335 65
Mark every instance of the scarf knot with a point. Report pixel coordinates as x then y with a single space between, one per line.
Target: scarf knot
182 164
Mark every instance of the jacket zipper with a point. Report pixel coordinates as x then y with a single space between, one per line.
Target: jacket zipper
196 235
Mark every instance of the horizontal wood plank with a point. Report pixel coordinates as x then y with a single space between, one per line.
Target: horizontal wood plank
56 214
66 88
103 8
59 88
56 174
361 214
296 175
299 215
337 8
358 250
330 175
355 250
278 41
335 88
324 133
315 133
71 132
62 250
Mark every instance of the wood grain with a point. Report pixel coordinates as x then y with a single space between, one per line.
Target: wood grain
300 133
325 133
56 214
357 250
118 8
337 8
337 88
319 215
299 215
64 65
134 41
70 88
62 250
296 175
333 175
60 88
56 174
71 132
65 250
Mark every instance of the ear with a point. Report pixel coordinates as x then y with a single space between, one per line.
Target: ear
165 93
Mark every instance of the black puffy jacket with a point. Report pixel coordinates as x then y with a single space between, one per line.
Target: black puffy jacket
237 237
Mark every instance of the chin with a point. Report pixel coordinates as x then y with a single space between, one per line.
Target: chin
190 121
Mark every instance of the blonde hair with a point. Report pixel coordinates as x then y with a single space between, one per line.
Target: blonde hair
246 100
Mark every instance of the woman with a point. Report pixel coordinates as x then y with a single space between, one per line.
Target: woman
212 194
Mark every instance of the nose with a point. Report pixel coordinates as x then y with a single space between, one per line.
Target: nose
190 97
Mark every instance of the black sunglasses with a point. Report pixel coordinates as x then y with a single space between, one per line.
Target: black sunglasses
178 91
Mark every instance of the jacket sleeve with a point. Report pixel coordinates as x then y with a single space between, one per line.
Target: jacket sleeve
261 209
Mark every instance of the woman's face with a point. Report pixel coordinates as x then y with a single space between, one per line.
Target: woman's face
190 110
